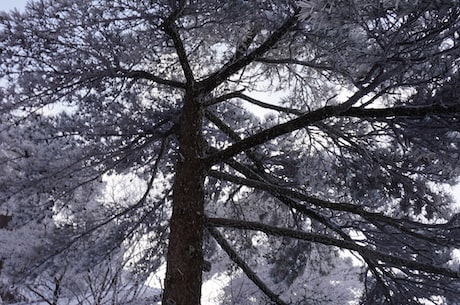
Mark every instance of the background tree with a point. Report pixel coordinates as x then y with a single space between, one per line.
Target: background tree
353 159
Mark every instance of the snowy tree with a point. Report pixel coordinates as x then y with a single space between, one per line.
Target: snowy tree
301 152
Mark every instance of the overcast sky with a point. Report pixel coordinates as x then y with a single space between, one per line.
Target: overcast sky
10 4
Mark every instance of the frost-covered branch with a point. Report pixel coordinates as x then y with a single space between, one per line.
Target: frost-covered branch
244 266
171 29
403 224
232 135
232 66
139 74
334 111
373 255
288 127
253 101
292 61
94 228
404 111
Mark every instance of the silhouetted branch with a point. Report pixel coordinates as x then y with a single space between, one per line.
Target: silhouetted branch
171 29
244 266
290 126
373 255
232 66
338 206
139 74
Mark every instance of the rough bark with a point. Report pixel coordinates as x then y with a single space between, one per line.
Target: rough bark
4 220
185 258
5 295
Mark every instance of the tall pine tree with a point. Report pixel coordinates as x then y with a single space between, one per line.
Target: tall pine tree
302 147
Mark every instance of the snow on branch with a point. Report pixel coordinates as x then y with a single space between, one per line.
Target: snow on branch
366 252
244 266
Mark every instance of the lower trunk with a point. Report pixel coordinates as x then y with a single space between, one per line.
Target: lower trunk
185 255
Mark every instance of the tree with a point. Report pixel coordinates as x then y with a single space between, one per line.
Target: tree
353 160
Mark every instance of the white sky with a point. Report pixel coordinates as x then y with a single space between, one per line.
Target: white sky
6 5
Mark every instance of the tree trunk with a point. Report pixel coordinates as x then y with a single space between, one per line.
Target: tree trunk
4 220
185 255
5 294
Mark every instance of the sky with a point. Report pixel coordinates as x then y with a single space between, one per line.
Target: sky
6 5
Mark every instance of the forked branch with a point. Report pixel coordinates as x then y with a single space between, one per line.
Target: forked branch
290 126
171 29
234 66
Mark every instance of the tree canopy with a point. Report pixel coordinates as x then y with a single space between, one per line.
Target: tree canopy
301 152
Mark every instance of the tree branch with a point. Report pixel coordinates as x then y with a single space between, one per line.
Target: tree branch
402 111
286 200
341 110
309 212
116 216
170 28
245 267
259 176
232 135
139 74
283 61
288 127
239 94
337 206
233 66
372 255
223 98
